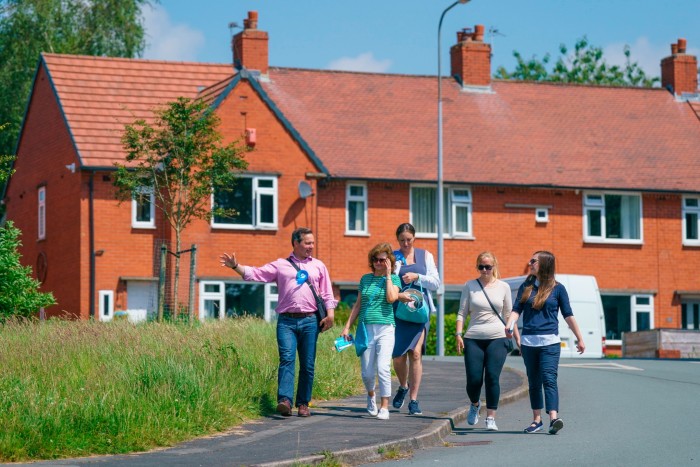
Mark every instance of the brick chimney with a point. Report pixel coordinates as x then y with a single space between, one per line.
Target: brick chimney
250 46
471 57
679 72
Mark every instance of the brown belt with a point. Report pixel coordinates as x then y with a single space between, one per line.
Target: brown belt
298 315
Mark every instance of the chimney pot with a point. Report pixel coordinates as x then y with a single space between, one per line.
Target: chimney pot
674 49
682 44
479 33
250 46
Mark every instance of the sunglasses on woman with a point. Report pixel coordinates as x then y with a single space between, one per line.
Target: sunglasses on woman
487 267
378 260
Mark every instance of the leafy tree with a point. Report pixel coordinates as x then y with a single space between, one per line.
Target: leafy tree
179 158
5 161
29 27
19 292
585 66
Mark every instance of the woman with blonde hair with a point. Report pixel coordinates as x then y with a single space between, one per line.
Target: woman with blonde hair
487 302
539 300
377 292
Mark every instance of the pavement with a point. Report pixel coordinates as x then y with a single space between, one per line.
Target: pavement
339 429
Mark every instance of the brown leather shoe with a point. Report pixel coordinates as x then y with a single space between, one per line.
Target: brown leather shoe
303 411
284 408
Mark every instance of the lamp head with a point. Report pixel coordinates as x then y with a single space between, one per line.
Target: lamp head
464 1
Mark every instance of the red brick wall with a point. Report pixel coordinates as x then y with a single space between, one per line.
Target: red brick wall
41 160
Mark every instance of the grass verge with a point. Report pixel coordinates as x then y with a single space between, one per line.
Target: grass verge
78 388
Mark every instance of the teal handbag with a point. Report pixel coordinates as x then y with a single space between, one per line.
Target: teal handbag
360 338
416 311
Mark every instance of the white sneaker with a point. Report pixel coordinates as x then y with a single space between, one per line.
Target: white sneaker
383 414
473 416
372 406
491 424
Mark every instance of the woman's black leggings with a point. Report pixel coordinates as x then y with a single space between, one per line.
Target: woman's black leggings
484 359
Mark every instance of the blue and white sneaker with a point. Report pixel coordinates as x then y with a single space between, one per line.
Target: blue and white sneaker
473 416
555 425
414 408
534 427
400 397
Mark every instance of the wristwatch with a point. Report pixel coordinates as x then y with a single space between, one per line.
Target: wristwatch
459 334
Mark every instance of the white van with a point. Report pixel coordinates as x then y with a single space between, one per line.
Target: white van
587 305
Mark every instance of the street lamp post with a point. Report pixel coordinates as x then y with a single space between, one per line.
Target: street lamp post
440 199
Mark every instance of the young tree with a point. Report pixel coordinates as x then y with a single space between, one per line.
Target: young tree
585 66
19 292
180 159
28 27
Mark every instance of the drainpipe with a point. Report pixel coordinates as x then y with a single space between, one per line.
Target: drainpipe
91 227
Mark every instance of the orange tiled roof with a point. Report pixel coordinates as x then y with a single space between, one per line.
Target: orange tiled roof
100 95
378 125
365 126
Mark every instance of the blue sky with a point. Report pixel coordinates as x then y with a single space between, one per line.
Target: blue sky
395 36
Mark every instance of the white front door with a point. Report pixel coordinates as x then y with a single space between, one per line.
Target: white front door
141 299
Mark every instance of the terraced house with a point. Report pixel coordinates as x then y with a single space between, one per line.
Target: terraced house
606 177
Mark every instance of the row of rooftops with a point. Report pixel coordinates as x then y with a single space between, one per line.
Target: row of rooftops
514 133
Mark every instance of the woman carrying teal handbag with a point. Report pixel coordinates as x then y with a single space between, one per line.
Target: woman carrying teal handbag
374 338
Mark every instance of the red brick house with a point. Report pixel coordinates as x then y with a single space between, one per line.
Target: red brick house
606 178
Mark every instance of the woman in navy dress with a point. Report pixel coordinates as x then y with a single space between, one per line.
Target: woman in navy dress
416 268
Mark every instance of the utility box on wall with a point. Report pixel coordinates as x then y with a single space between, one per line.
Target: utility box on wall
250 137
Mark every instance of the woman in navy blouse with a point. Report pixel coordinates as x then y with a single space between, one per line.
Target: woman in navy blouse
539 300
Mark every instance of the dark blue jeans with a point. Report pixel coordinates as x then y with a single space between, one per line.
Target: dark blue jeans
296 335
542 365
484 359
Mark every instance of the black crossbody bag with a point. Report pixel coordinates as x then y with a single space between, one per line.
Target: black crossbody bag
509 342
320 305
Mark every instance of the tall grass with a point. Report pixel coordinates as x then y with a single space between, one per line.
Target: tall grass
72 389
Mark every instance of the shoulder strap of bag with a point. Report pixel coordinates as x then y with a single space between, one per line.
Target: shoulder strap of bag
489 300
313 290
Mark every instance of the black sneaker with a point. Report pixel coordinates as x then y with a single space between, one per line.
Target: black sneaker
400 397
555 425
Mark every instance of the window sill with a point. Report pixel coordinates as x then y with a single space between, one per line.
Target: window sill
143 227
447 237
613 242
356 234
691 244
242 227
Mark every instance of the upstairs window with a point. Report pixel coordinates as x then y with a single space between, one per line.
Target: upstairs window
691 220
41 214
612 218
143 209
356 208
254 200
457 217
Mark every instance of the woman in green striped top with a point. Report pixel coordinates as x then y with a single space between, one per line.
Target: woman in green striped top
377 291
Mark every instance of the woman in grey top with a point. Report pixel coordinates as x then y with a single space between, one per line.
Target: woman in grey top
485 343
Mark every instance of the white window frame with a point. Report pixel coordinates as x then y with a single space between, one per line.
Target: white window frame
595 201
542 215
219 296
41 213
350 198
452 202
636 308
135 223
271 298
258 193
690 210
106 313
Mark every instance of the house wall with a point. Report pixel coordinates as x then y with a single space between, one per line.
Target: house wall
44 151
661 265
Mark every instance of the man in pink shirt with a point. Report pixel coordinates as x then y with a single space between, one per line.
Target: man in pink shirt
297 327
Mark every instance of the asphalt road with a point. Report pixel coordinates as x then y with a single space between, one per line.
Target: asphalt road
616 413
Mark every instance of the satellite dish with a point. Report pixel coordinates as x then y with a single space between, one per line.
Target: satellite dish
305 190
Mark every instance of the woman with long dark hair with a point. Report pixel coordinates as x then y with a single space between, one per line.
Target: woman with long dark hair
539 300
416 268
